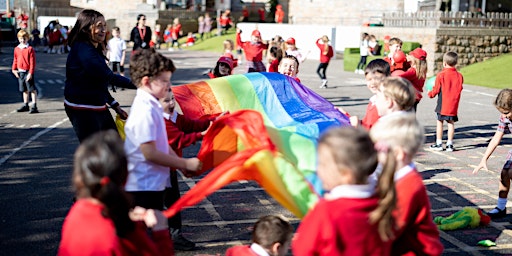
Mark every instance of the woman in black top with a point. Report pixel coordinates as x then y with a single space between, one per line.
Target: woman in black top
141 34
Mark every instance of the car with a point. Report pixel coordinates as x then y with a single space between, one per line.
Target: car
178 5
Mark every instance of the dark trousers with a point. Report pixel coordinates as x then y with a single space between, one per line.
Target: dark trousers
87 122
171 195
362 62
321 70
148 199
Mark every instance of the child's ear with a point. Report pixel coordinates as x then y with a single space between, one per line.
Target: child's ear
145 81
275 248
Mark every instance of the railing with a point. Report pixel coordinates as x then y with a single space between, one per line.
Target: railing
436 19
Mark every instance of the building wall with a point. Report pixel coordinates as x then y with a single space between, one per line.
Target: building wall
340 12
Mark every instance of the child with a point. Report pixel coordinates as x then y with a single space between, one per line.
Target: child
116 52
225 22
363 52
398 138
395 45
224 67
503 104
326 54
167 36
276 55
271 235
386 44
181 132
279 15
100 222
291 49
149 157
361 223
417 72
261 15
23 67
395 94
207 25
176 32
253 51
200 26
228 51
289 65
374 46
448 86
375 72
191 39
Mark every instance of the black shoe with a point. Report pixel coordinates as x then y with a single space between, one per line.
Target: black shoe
25 108
499 214
33 110
450 148
437 147
182 244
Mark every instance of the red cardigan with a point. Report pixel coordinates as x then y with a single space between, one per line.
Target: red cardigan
253 52
24 58
241 250
324 58
448 86
410 75
344 231
371 116
416 230
184 132
87 232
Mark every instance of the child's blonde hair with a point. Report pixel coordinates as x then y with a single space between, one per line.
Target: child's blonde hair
395 40
271 229
504 100
401 91
23 33
229 45
421 67
353 149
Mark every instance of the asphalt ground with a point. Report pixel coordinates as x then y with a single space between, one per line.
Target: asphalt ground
36 153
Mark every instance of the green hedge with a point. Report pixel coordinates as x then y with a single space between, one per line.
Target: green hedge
351 55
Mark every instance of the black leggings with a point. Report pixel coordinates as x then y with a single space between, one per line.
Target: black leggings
322 67
362 62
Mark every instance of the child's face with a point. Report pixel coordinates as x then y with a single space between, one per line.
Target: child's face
224 69
115 33
255 39
505 113
23 40
394 47
288 67
373 81
327 168
382 102
168 102
160 85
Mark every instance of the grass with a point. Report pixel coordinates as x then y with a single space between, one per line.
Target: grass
212 44
492 73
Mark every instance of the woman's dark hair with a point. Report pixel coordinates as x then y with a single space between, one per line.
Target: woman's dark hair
216 71
138 18
100 171
81 31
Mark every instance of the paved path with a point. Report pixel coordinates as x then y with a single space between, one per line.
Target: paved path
36 161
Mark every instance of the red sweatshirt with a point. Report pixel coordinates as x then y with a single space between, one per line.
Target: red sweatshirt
448 87
253 52
184 132
241 250
371 116
410 75
324 57
24 58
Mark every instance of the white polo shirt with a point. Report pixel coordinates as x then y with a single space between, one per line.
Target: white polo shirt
116 46
145 123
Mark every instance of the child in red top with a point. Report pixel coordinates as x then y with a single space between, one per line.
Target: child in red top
261 14
101 222
326 54
191 39
417 72
395 45
224 67
276 55
375 72
253 51
289 65
225 22
352 218
228 51
23 67
176 32
279 14
271 235
398 137
448 86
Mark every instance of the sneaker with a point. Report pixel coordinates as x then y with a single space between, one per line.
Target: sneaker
498 214
25 108
324 84
181 243
450 148
33 110
437 147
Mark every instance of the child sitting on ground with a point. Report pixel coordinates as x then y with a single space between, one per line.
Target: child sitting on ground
100 222
503 104
398 138
289 65
271 235
353 218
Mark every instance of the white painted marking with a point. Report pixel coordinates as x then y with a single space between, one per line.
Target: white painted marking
33 138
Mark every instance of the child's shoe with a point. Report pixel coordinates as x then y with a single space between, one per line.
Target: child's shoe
33 110
324 84
437 147
497 213
450 148
25 108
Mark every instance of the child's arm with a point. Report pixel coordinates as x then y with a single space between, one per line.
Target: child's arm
152 154
15 64
437 86
123 56
495 141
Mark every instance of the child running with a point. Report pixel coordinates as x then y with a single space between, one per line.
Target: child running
149 154
398 138
448 87
271 235
101 222
361 223
326 54
253 51
503 104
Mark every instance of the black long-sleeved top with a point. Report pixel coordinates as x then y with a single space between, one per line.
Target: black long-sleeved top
136 37
88 77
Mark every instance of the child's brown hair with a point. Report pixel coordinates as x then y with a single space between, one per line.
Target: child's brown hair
504 100
395 40
148 62
401 91
271 229
450 58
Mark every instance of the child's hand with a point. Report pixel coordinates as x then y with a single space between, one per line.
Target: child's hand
15 72
29 76
354 121
482 164
121 113
205 131
193 164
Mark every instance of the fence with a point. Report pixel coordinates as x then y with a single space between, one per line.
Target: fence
437 19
